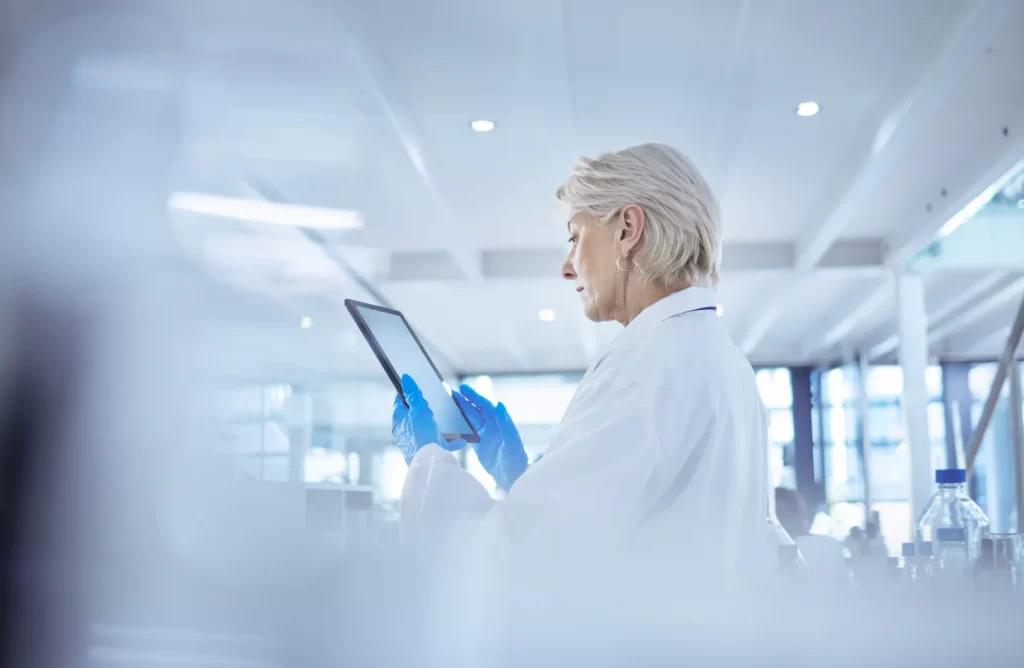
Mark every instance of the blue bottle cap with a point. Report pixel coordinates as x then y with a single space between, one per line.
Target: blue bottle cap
926 549
909 549
950 535
950 476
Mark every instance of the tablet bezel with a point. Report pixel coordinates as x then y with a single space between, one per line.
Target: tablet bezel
353 307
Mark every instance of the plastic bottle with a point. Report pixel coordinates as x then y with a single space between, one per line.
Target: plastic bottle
952 508
1006 556
925 563
909 575
992 575
951 553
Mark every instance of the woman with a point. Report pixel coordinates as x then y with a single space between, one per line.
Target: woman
663 448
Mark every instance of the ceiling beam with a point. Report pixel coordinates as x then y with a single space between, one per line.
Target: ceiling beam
883 347
774 302
904 245
976 310
860 257
972 292
881 296
980 25
466 259
978 28
983 345
358 276
955 313
468 262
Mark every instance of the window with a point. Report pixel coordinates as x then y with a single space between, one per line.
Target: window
836 425
834 400
890 452
776 390
994 480
250 424
536 403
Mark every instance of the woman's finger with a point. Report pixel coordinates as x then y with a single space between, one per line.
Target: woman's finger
411 390
400 410
485 407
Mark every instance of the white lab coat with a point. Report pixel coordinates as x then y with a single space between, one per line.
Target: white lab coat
662 451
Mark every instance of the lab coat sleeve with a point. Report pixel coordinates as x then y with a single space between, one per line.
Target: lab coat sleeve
616 455
442 503
617 451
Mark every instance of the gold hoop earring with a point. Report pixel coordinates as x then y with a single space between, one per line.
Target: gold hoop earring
632 265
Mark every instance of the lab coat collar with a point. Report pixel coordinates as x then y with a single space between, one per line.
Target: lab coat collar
674 304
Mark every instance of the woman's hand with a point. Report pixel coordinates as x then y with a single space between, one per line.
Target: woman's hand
413 424
500 449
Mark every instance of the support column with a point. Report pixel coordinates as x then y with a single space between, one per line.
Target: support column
803 437
913 326
1017 432
864 410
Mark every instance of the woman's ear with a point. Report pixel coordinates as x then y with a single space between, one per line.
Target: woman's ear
633 221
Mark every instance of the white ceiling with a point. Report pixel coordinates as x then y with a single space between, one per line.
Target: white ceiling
366 105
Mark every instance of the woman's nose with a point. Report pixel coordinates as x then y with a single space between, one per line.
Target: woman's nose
567 272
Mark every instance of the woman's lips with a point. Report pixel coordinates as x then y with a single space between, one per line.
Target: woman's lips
579 289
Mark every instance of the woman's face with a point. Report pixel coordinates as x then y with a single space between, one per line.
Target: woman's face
593 250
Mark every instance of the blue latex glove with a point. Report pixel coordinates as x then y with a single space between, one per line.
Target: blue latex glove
413 424
500 449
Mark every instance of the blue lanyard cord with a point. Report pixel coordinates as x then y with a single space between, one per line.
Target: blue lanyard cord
693 310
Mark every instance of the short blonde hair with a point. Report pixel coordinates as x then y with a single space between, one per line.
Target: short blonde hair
682 235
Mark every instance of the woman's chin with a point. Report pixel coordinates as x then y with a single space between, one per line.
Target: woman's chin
591 312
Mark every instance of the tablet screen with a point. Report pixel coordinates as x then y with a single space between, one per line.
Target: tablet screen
398 344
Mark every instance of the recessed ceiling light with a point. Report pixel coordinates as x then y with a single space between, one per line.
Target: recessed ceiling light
262 211
807 109
546 314
482 125
306 322
719 309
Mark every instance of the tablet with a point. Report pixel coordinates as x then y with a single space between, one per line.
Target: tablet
401 353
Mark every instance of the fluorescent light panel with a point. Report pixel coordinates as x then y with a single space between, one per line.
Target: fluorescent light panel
978 203
262 211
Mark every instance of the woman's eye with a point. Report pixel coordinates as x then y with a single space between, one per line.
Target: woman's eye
572 240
